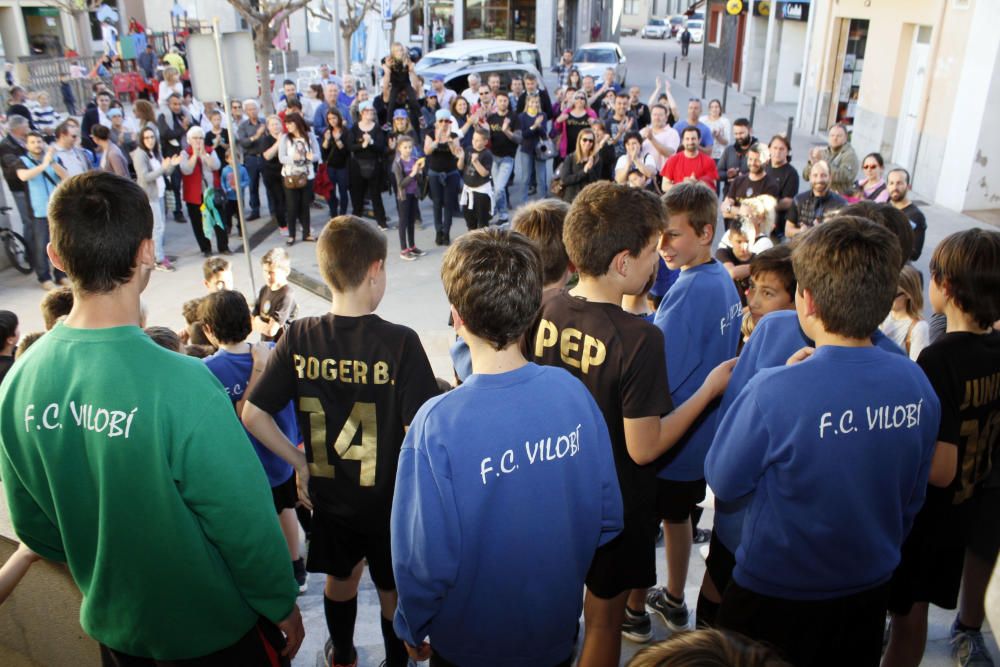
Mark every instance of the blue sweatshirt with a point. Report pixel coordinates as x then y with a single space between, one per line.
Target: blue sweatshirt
700 318
233 371
838 470
506 487
775 338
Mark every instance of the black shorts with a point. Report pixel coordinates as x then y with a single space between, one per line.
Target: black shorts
931 559
675 501
842 631
260 647
285 495
336 548
626 562
720 563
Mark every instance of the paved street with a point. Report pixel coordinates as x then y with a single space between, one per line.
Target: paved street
415 298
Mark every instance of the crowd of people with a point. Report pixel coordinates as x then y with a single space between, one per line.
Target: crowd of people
611 363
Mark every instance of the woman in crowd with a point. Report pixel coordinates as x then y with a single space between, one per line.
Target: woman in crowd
575 80
462 123
271 172
605 149
443 149
580 168
431 106
872 186
402 127
787 178
533 130
572 121
145 116
171 84
368 147
198 167
150 168
722 129
905 323
336 156
297 151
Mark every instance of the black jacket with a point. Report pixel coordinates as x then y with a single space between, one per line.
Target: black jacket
10 160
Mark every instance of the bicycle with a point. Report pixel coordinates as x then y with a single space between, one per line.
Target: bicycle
13 243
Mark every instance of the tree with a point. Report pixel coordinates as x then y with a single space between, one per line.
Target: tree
261 15
403 8
80 11
349 22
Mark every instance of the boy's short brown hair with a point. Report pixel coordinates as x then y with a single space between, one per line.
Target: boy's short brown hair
778 262
606 218
850 265
707 647
889 217
346 248
27 340
968 263
493 278
277 258
214 265
56 304
697 200
165 337
542 222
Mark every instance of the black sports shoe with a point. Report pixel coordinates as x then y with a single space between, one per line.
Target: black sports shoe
299 568
674 616
637 627
702 536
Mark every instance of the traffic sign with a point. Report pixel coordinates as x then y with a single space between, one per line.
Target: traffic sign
734 6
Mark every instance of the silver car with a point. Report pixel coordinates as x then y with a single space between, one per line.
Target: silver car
656 29
593 58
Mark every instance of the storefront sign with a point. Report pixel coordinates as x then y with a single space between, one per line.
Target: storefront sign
793 11
762 8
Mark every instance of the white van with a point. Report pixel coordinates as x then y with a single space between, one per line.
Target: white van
474 51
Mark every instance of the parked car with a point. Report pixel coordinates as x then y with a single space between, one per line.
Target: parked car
457 79
474 51
628 32
593 58
656 29
697 29
676 23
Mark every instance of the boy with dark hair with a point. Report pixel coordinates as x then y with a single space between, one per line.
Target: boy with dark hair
963 366
457 475
836 482
356 381
55 305
772 286
191 490
700 320
9 334
276 303
611 235
225 318
218 272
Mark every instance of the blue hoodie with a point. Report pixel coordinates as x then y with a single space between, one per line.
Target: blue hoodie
775 338
700 319
838 470
506 487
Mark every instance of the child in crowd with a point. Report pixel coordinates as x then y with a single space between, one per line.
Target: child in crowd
954 540
735 257
218 274
225 317
864 421
166 338
56 305
700 320
27 340
400 71
193 335
231 210
772 286
707 648
477 199
356 381
905 324
276 304
10 333
611 235
453 573
408 172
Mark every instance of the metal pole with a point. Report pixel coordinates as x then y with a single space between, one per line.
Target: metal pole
663 68
232 156
675 68
427 28
343 66
725 94
753 108
704 84
788 132
687 80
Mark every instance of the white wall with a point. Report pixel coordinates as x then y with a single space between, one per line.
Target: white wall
984 180
158 13
791 45
753 54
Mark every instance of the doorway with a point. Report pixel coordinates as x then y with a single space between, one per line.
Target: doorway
913 95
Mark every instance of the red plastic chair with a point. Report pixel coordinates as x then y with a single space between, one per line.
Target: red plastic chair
123 85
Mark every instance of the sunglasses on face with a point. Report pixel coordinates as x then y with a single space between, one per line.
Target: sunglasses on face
870 166
587 141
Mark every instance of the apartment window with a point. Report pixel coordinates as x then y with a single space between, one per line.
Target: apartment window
715 27
632 7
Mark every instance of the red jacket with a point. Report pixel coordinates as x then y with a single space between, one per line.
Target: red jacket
679 167
191 184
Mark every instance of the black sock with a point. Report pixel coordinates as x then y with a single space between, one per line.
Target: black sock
706 612
305 520
635 612
962 627
395 652
671 600
340 617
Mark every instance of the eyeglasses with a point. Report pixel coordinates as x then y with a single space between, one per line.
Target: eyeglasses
586 141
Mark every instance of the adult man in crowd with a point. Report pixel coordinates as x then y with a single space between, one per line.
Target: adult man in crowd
734 157
685 41
236 113
250 137
659 139
68 155
755 182
692 120
41 174
13 146
147 63
493 81
445 95
810 207
331 95
840 158
486 103
97 115
471 94
531 87
564 67
348 93
289 92
638 108
17 106
174 59
173 123
594 96
689 164
898 185
619 123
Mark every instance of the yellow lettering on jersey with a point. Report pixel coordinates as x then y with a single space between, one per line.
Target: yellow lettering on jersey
350 371
569 343
300 364
312 368
594 353
345 371
361 372
362 418
547 336
329 369
576 349
381 372
320 465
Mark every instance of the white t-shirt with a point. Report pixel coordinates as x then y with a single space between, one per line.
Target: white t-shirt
896 331
722 123
666 137
623 163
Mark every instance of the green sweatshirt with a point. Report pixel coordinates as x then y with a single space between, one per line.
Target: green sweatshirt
127 462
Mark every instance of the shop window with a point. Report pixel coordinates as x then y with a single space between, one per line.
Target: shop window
632 7
441 13
500 19
715 26
850 77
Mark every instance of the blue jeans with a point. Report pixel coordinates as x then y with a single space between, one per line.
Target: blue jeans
339 180
253 163
36 237
529 168
159 208
444 188
503 167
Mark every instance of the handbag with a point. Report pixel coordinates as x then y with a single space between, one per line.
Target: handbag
295 181
545 149
556 187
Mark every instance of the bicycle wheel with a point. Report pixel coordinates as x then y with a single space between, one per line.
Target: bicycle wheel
17 251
